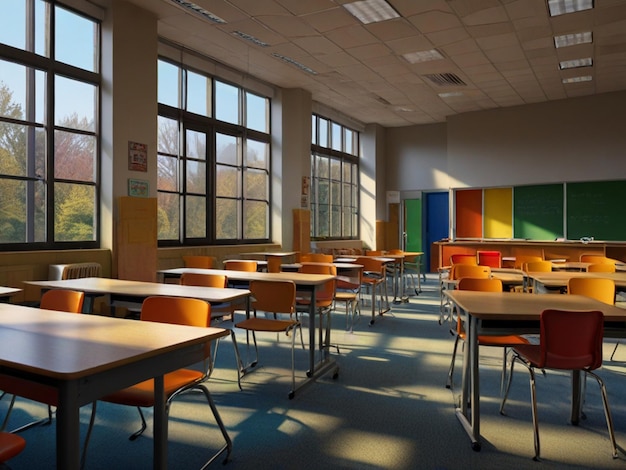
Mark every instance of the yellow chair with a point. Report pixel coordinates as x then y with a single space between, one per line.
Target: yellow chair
597 288
62 300
203 262
521 260
537 266
179 311
247 265
594 258
601 268
482 284
274 298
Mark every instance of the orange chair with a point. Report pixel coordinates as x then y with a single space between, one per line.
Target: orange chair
273 298
62 300
316 258
505 341
247 265
493 259
179 311
10 445
568 340
601 268
374 280
324 297
594 258
348 291
520 260
601 289
456 272
203 262
463 258
274 264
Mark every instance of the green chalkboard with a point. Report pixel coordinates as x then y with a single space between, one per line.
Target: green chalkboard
538 212
594 209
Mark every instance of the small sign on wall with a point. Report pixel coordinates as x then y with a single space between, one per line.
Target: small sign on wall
137 156
138 188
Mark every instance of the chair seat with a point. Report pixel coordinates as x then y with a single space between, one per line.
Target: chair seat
266 324
142 394
10 445
344 296
507 340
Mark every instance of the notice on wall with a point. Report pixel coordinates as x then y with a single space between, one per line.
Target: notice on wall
137 156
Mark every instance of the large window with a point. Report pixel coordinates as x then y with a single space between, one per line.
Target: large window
334 180
213 160
49 128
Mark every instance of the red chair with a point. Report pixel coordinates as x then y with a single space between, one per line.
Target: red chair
493 259
568 340
10 445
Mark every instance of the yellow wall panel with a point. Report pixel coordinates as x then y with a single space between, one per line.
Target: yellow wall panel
498 213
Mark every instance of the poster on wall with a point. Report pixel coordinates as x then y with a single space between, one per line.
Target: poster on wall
137 156
138 188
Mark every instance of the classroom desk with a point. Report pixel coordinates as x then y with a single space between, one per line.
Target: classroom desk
119 290
515 313
304 282
85 357
286 255
7 292
559 279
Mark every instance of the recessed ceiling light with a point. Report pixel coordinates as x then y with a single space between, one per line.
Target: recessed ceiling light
452 94
294 62
198 10
561 7
371 11
584 78
576 63
572 39
250 38
422 56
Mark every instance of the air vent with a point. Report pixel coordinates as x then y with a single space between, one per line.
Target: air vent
445 79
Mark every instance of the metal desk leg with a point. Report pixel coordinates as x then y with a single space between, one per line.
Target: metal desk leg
576 398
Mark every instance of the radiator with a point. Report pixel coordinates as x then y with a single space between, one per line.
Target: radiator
74 271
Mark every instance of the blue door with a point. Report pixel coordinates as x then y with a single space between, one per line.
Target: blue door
436 208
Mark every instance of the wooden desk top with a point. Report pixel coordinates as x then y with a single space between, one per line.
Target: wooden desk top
8 291
560 278
298 278
66 346
100 285
521 306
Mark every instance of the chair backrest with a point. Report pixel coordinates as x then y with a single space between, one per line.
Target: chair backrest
598 288
480 284
247 265
326 292
374 253
317 258
81 270
601 268
318 268
493 259
395 251
204 262
274 264
371 265
521 260
176 310
63 300
463 258
571 340
204 280
459 271
593 258
273 296
537 267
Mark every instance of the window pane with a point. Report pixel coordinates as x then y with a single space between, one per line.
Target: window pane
168 84
167 173
195 217
313 130
322 167
198 94
257 113
168 137
335 169
22 150
336 136
75 40
227 184
74 212
257 154
348 141
227 103
22 203
169 216
335 189
74 156
227 149
323 132
226 218
256 185
196 177
14 81
75 104
196 145
335 223
256 216
323 221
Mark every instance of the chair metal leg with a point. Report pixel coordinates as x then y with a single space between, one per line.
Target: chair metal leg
607 413
42 421
614 349
228 446
451 370
533 395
